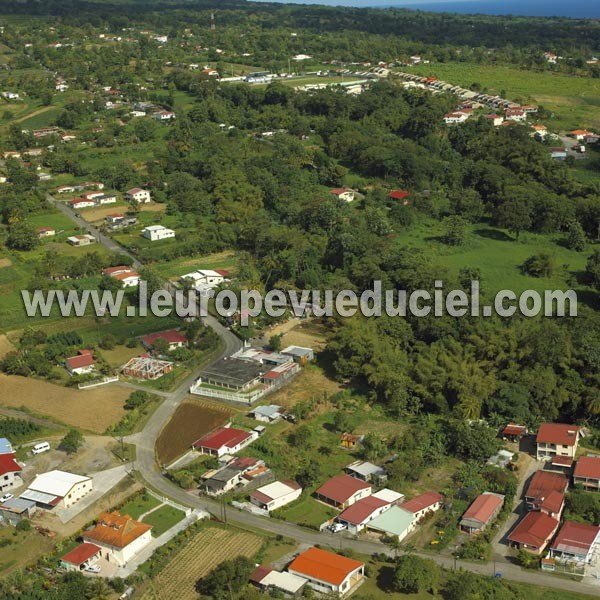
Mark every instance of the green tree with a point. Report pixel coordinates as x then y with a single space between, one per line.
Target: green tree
137 398
72 441
515 215
227 580
576 239
456 231
22 236
414 575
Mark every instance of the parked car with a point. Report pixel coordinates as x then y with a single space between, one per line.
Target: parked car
337 527
41 447
5 498
93 569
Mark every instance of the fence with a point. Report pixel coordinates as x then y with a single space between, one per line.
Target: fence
185 509
91 384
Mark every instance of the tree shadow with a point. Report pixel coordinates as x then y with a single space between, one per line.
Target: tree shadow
493 234
385 578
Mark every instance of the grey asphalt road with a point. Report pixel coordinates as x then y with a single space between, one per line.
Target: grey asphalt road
148 468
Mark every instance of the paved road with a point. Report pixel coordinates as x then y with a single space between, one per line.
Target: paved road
146 465
84 225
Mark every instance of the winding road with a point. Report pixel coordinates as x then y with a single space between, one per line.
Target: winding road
146 465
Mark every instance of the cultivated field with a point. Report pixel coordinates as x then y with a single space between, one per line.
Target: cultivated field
95 215
191 420
207 549
93 409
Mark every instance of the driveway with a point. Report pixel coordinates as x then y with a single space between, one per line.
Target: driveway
103 482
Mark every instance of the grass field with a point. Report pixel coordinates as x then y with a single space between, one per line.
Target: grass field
139 505
179 266
163 519
499 256
24 547
202 553
93 410
574 100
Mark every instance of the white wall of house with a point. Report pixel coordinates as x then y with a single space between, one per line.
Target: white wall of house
78 491
121 556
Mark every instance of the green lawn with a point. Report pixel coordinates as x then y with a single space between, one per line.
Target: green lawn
139 505
163 519
574 100
307 511
499 256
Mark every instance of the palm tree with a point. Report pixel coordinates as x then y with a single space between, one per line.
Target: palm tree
98 590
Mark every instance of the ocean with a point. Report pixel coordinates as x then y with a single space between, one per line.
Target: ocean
537 8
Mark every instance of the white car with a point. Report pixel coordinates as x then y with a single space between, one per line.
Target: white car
5 498
336 527
93 569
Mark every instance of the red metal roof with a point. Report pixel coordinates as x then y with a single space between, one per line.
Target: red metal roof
83 360
557 433
553 502
534 529
324 566
172 336
562 461
8 464
514 429
423 501
398 194
360 511
588 467
260 573
338 191
579 536
483 507
341 488
223 437
222 272
79 555
543 482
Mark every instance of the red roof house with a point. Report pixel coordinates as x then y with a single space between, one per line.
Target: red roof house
398 195
542 484
534 532
8 464
423 504
342 491
557 439
79 558
481 512
343 194
224 440
80 364
512 430
575 541
587 472
360 513
172 337
327 571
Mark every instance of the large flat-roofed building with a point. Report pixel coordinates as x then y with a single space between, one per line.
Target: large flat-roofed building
58 489
233 374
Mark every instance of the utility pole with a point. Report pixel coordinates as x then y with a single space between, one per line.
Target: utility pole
213 26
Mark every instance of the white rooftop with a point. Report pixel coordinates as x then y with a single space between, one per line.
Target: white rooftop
56 483
365 469
388 495
274 490
154 228
287 582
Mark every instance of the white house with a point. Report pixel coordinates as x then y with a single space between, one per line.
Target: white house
344 194
224 440
206 277
58 489
9 472
11 95
128 278
422 505
80 364
139 195
455 117
360 513
46 232
328 572
78 203
515 114
157 232
105 199
276 494
119 537
81 240
164 115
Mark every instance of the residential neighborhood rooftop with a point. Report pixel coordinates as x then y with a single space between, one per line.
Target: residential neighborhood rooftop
557 433
324 566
